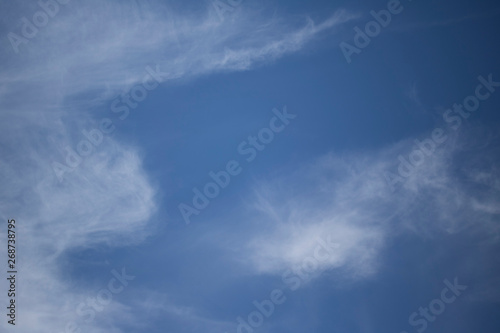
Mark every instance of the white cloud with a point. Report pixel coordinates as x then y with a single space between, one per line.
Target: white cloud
88 53
348 198
109 44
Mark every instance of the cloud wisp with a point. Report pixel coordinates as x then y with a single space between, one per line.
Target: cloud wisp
85 56
347 197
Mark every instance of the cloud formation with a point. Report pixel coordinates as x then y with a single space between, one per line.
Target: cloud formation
85 56
347 198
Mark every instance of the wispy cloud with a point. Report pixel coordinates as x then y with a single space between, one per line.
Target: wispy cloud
109 44
346 196
86 55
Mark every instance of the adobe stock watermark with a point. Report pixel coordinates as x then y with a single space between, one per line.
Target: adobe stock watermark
87 310
226 6
293 278
249 148
420 320
453 118
373 28
29 29
95 136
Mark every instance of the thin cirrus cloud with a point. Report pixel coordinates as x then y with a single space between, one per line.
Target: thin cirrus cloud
110 44
346 198
101 49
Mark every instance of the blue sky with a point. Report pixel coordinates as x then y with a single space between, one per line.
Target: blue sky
225 166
